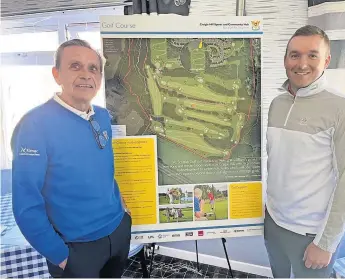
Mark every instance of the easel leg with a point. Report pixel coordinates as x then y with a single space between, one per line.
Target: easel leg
227 258
153 254
141 255
197 255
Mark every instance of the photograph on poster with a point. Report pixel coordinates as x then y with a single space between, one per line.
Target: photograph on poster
210 202
175 195
176 213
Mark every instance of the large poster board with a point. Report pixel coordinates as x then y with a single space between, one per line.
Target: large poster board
187 93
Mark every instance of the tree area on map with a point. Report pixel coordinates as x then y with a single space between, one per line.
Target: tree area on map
200 96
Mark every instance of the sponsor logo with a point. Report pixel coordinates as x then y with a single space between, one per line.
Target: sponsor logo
211 232
160 236
200 233
189 233
139 237
254 229
255 24
225 231
24 151
238 231
151 237
176 235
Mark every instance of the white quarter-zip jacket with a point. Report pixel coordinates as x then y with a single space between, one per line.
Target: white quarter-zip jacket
306 162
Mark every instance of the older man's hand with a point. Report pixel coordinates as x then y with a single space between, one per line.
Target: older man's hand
62 265
315 257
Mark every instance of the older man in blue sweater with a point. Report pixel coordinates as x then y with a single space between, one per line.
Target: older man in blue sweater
65 199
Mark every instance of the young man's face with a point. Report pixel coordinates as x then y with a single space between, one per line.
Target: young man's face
79 74
307 57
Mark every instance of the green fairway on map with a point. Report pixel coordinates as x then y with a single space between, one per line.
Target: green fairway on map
200 96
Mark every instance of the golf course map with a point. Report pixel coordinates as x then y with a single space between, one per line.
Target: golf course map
200 96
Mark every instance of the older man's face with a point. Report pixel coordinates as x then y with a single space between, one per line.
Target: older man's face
80 74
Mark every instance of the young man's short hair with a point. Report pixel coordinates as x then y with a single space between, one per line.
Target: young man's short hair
310 30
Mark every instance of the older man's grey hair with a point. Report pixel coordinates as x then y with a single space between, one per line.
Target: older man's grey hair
75 42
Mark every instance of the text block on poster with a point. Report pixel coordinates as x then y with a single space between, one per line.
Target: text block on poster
245 200
136 175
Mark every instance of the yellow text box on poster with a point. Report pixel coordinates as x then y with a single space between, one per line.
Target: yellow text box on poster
245 200
136 175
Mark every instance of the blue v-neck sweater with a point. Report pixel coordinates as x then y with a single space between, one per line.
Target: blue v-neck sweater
63 183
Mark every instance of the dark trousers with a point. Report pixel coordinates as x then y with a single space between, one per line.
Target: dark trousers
102 258
286 250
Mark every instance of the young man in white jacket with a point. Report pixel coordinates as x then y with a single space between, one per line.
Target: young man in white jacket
305 210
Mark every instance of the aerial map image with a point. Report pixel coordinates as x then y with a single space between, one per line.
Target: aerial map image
201 97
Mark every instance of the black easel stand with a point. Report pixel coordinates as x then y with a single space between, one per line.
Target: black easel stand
226 254
227 258
142 258
152 255
197 255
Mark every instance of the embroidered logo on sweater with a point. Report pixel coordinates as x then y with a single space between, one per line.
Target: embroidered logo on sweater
24 151
303 121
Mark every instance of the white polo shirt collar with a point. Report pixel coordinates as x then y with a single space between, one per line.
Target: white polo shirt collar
83 114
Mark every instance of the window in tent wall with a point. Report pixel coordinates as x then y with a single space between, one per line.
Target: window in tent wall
27 53
335 72
26 79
